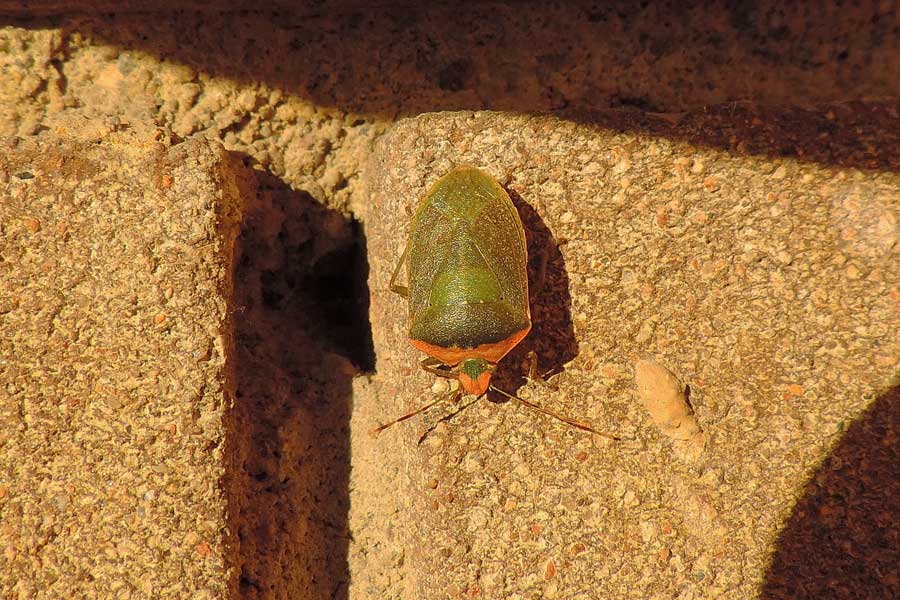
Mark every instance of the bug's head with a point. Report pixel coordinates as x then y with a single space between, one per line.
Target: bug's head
475 375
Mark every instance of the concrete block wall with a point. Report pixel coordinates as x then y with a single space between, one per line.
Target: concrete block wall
694 213
765 281
117 366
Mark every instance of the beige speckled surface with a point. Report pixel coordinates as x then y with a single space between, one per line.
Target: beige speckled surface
115 263
768 284
303 95
306 93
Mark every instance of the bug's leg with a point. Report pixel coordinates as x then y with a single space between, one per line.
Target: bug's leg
533 374
541 244
540 277
532 365
401 290
436 367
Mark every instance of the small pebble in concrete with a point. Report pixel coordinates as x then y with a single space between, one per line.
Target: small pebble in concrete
665 400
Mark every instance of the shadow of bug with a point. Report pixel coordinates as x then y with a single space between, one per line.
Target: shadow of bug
552 335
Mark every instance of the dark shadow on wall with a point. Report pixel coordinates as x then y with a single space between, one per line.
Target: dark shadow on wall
301 332
393 59
842 540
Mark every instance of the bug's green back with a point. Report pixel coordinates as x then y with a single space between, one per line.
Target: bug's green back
466 262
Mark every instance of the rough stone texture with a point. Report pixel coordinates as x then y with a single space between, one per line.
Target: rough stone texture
305 93
751 251
115 264
299 300
301 95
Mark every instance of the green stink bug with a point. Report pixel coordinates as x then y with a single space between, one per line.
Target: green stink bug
466 261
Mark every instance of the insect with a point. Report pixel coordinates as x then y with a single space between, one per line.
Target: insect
467 285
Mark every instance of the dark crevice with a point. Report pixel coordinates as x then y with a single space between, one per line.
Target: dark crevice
302 333
338 291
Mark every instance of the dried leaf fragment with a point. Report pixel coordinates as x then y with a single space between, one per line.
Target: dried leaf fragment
664 398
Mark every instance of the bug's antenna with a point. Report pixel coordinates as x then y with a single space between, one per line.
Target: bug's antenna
447 417
421 409
572 422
